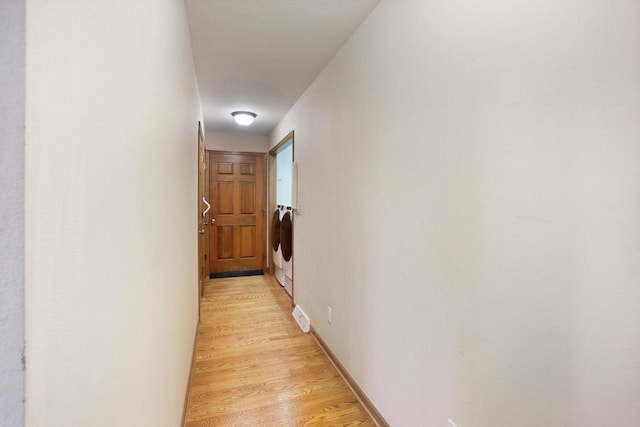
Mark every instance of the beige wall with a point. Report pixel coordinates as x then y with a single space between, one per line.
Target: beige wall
224 141
12 102
469 182
111 300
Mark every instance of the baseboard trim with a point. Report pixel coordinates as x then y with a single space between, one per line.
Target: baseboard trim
187 399
373 412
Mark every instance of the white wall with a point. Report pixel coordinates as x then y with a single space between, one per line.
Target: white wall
284 171
12 88
486 161
111 242
241 142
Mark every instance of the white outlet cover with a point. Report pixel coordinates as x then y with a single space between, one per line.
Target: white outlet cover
451 423
329 315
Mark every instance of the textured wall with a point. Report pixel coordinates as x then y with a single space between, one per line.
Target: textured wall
469 182
111 220
12 102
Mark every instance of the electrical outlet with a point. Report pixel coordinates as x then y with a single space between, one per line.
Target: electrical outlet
451 423
330 316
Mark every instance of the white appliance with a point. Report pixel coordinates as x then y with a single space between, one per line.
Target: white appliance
284 269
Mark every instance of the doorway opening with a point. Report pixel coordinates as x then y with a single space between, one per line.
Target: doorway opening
282 206
237 231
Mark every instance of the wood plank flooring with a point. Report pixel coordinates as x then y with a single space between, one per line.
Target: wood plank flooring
255 367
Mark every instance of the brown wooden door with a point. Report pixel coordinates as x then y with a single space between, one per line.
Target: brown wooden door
236 187
203 229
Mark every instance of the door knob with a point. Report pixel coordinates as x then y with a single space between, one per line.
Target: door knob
213 220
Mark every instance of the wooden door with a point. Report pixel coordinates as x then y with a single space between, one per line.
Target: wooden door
237 190
203 229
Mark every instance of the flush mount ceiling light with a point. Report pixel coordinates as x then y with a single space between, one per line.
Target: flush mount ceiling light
244 118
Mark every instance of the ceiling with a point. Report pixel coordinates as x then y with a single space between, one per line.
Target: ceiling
261 55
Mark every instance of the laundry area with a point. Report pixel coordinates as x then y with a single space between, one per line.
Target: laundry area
281 230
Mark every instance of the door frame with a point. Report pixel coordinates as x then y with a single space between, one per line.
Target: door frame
272 205
202 222
265 175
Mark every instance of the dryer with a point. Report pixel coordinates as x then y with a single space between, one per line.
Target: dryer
282 239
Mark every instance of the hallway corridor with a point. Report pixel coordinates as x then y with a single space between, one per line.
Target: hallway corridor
254 367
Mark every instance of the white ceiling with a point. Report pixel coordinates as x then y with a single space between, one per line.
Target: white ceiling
260 55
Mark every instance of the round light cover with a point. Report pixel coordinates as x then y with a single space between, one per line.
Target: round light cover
244 118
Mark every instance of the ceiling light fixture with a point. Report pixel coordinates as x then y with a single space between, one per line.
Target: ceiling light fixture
244 118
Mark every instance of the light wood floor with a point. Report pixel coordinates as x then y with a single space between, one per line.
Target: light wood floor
255 367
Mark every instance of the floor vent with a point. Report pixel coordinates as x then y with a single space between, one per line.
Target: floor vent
302 319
